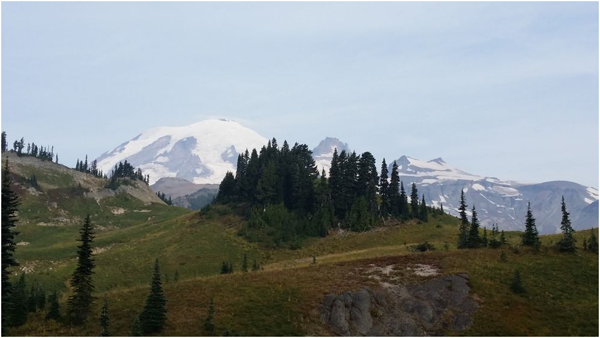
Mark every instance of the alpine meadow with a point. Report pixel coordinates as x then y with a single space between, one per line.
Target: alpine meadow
268 190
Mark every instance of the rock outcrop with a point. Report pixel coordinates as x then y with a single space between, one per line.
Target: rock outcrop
430 308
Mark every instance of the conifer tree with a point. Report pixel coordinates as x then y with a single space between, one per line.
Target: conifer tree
41 299
404 210
81 300
104 319
414 201
463 236
226 189
394 192
54 310
209 322
441 208
367 181
153 316
567 243
484 239
423 211
4 142
136 328
32 299
10 209
245 263
517 285
530 237
18 303
503 240
474 240
592 245
384 185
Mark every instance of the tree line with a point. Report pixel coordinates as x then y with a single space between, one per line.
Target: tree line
30 149
288 198
469 232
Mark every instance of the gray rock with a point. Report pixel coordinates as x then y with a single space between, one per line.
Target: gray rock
429 308
360 313
338 319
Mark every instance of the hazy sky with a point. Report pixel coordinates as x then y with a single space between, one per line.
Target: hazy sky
499 89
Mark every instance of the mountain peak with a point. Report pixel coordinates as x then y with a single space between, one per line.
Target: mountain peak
438 160
323 153
201 152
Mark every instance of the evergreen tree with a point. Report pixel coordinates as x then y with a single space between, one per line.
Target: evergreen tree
360 217
80 302
10 209
224 268
367 181
441 208
104 319
503 240
530 237
136 328
423 212
484 239
245 263
41 299
517 285
54 311
567 243
209 322
404 210
463 236
394 192
18 303
226 188
153 316
384 185
32 299
4 142
592 245
414 201
473 240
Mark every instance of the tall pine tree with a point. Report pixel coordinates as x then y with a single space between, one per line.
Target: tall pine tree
80 302
104 319
567 243
384 185
473 239
463 235
423 211
394 192
154 314
414 201
530 237
10 208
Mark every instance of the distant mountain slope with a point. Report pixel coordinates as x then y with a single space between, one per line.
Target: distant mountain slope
185 193
497 201
200 153
323 153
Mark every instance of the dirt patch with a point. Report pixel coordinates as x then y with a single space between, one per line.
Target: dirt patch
117 211
23 243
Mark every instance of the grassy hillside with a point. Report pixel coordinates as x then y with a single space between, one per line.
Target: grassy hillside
283 298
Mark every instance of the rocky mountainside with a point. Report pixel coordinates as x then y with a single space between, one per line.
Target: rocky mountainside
63 196
200 153
500 202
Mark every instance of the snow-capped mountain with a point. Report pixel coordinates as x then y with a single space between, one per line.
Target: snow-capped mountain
323 153
497 201
200 153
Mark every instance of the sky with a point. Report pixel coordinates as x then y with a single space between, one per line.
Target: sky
508 90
